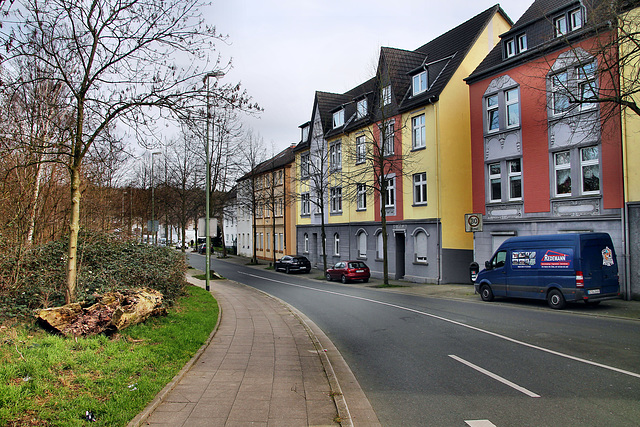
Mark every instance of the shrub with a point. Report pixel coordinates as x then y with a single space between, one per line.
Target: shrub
105 263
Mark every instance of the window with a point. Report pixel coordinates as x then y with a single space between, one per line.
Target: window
336 244
493 117
419 83
510 48
362 197
420 188
362 244
420 247
515 179
268 241
589 165
305 133
361 149
280 242
386 95
559 88
499 259
304 165
305 204
379 246
338 118
335 155
586 76
361 108
336 199
418 132
390 192
387 138
562 166
575 19
513 107
522 42
495 182
305 243
560 25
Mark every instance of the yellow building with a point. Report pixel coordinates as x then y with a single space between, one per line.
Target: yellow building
395 154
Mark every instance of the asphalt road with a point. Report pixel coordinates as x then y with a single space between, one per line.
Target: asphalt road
439 362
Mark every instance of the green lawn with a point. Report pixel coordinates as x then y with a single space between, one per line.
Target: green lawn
51 380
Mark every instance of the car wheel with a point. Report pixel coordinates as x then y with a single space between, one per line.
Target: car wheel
486 293
287 270
343 279
365 280
555 299
591 303
328 276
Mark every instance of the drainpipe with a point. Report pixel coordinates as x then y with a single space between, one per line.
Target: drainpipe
438 176
626 285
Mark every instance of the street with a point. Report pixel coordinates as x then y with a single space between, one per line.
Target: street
435 361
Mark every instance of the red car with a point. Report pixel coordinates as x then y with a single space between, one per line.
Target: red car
349 270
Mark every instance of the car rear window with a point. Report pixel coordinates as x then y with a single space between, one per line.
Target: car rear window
357 265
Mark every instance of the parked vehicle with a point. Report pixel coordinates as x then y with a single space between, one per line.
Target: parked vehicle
291 263
558 268
346 271
202 248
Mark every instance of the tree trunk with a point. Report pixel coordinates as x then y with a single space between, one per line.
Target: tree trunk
74 228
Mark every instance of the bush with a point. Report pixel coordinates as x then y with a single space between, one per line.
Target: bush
105 264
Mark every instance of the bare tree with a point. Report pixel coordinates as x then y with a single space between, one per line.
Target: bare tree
113 59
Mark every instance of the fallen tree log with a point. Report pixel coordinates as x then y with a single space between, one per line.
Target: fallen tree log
114 311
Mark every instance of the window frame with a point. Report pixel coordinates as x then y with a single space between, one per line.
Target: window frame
305 243
418 128
514 176
335 155
510 103
305 204
388 136
494 177
560 25
338 118
422 83
361 197
362 108
561 167
361 239
490 111
418 256
588 164
336 200
521 43
559 90
390 192
420 188
336 244
510 48
304 165
361 149
386 95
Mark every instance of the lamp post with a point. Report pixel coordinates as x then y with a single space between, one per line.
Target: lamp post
207 214
153 187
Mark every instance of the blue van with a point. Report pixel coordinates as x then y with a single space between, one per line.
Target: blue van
556 267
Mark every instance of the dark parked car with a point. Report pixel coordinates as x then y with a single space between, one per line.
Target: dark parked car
346 271
290 263
202 248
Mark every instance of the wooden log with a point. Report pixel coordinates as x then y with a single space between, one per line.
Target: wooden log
114 311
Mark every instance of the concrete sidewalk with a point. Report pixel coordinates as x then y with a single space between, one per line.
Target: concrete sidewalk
265 365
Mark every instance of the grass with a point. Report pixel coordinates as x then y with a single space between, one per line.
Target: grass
52 380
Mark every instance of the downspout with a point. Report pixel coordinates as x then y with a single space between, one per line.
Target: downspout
625 211
438 215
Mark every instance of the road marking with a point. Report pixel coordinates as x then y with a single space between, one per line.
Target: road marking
480 423
494 376
454 322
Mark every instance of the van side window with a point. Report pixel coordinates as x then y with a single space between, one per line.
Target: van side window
499 260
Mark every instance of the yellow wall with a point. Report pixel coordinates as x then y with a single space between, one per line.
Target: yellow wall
631 128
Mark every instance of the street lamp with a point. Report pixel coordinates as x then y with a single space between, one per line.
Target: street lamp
207 248
153 187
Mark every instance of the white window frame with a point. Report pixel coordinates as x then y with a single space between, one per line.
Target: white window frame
361 149
338 118
361 108
305 204
336 199
386 95
304 165
390 192
336 155
588 164
491 110
336 244
510 48
362 244
575 19
419 83
305 240
561 26
494 177
559 90
418 132
514 176
522 43
419 256
561 167
362 197
511 100
304 133
586 78
388 136
379 246
420 188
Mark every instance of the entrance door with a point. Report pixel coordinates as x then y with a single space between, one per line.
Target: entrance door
400 250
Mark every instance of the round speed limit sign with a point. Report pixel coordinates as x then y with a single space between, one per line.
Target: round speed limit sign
473 220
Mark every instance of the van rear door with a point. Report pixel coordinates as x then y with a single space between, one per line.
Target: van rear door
599 266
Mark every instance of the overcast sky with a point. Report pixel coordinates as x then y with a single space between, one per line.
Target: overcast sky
285 50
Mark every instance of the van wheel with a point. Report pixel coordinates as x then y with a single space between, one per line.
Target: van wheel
486 293
555 299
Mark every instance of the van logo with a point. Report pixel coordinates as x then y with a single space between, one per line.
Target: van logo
555 259
607 257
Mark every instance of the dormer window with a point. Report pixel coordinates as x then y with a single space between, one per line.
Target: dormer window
568 22
305 133
338 118
419 83
522 42
386 95
510 48
361 108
